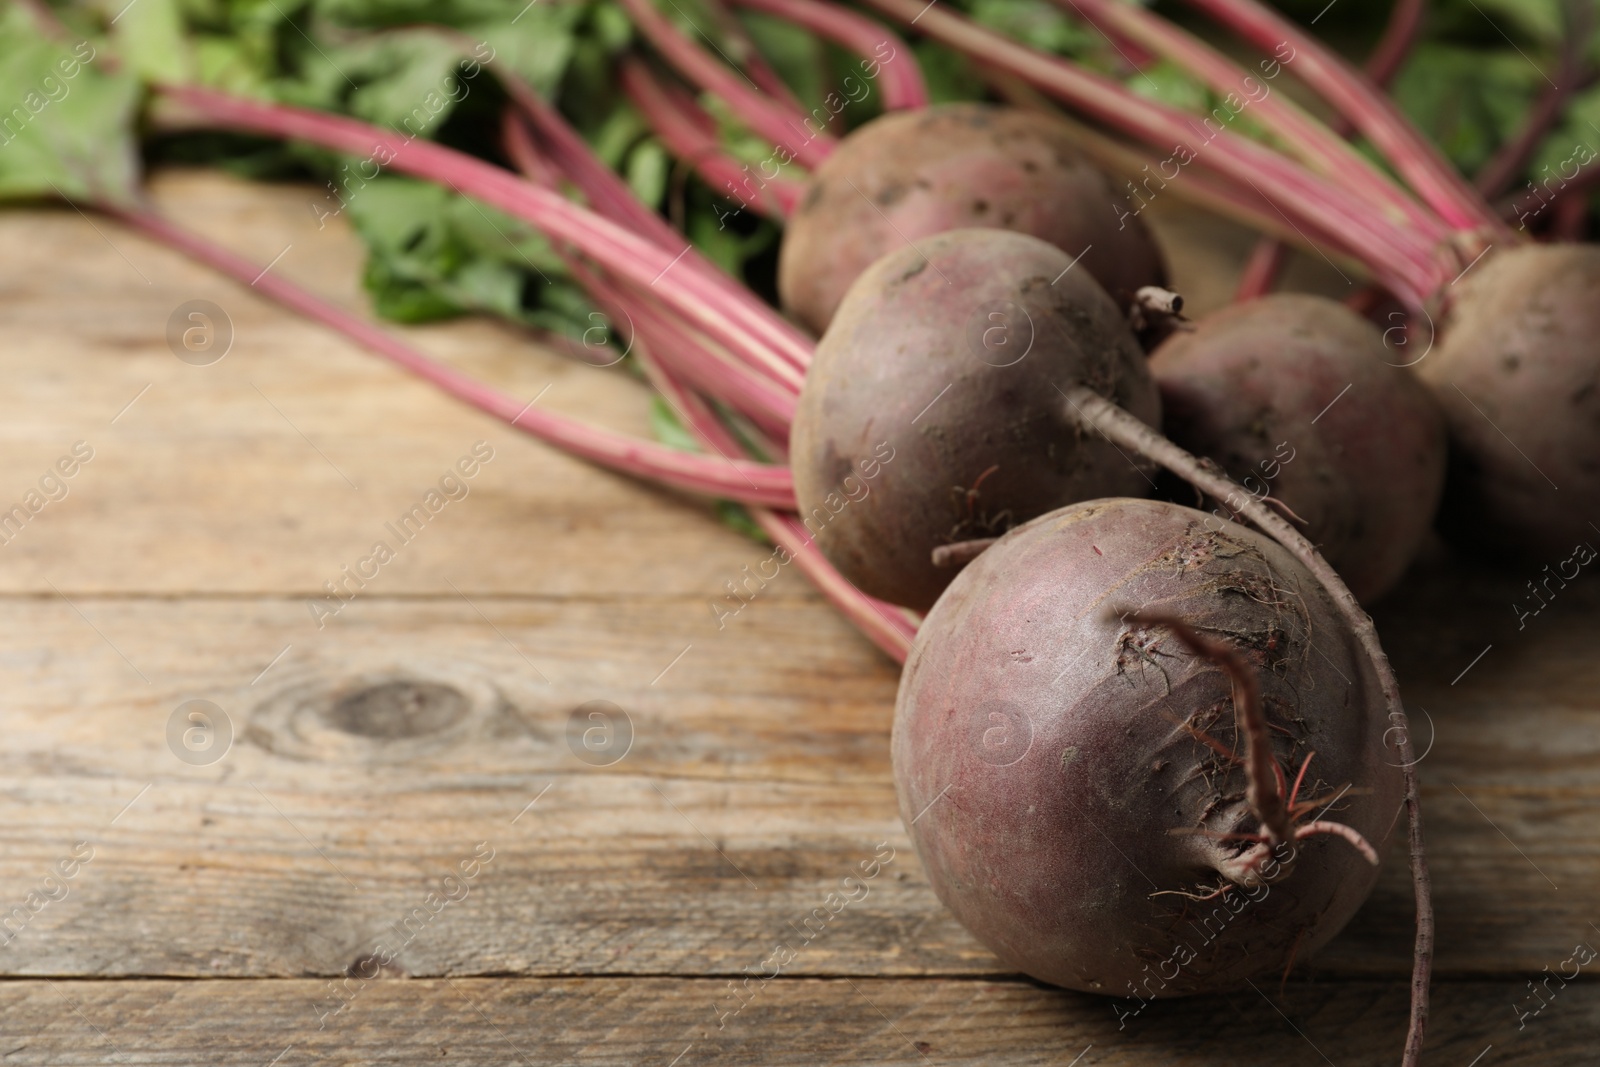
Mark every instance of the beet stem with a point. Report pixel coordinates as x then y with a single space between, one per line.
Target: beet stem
1319 147
710 366
1262 791
1407 260
607 194
1261 270
719 305
902 84
887 626
1433 178
1094 412
1207 191
749 57
688 133
1399 37
960 553
756 483
688 352
1496 176
783 126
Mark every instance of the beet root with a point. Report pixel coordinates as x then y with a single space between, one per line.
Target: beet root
1517 371
1298 398
934 410
911 174
1066 774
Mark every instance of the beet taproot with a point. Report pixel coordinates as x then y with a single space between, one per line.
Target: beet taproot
1298 398
911 174
1517 371
946 369
1067 773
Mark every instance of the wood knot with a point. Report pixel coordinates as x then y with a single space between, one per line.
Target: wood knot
383 715
399 708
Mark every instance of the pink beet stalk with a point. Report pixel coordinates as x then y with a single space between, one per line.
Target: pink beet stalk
783 126
701 364
669 339
657 344
685 129
768 403
697 363
898 74
1399 36
885 625
1314 143
1405 260
711 368
756 483
747 57
1248 207
705 366
1372 113
1501 171
608 195
1261 269
714 302
677 121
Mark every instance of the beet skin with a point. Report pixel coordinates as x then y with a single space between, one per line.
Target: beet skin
949 363
1052 771
1298 397
1517 371
911 174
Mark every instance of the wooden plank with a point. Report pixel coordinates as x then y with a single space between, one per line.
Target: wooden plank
373 755
768 739
238 476
1504 720
675 1023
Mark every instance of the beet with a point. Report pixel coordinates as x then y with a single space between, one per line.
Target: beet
1056 769
912 174
1297 397
944 373
1517 372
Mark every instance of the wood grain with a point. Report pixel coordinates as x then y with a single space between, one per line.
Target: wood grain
266 471
370 757
767 740
673 1022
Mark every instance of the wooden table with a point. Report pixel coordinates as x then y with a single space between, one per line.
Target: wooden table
289 898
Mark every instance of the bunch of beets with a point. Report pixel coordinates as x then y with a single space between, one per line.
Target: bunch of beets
1090 666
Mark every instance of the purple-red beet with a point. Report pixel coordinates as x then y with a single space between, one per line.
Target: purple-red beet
1067 771
945 373
1297 397
1517 371
911 174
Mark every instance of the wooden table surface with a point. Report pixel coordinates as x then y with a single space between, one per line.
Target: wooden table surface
399 856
